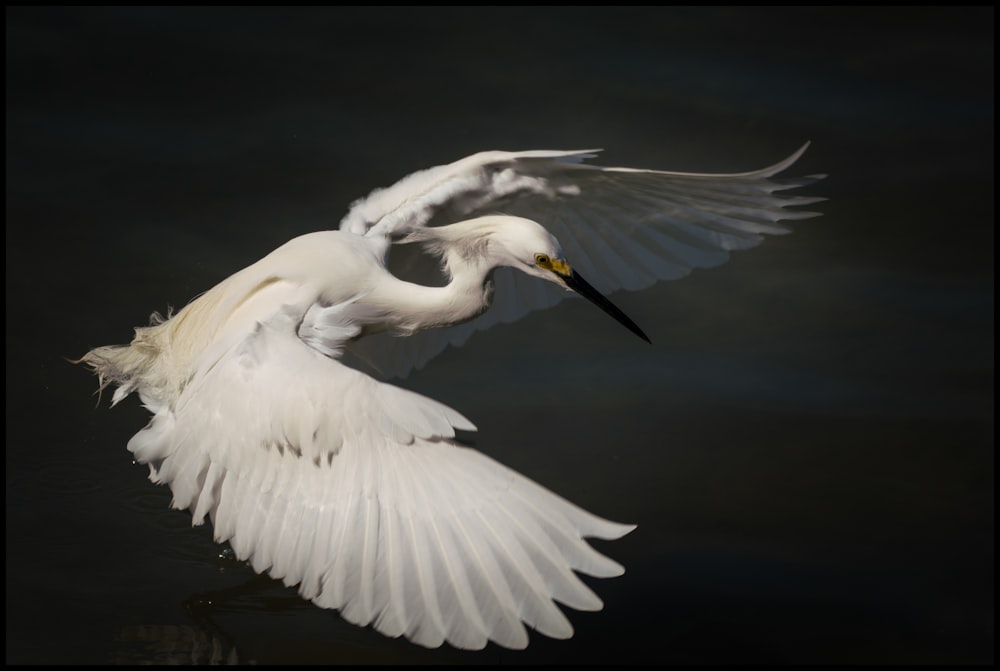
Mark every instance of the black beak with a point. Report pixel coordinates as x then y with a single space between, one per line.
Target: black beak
582 287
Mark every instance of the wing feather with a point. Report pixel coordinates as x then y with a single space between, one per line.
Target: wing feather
622 228
357 491
461 617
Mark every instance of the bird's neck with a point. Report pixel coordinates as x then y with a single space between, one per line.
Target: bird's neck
466 296
464 251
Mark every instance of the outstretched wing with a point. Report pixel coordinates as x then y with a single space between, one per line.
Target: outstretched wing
356 491
622 228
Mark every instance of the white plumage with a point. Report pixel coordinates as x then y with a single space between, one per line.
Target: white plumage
356 490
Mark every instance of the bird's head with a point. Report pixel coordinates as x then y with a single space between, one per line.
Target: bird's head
527 246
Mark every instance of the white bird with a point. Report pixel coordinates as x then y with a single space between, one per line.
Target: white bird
356 490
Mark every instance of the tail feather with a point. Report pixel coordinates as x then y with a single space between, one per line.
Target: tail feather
115 364
130 367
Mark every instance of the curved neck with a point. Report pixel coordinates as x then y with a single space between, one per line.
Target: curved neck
409 307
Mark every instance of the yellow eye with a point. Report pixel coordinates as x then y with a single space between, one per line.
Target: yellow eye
543 261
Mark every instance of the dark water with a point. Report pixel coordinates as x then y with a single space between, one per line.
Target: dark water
807 448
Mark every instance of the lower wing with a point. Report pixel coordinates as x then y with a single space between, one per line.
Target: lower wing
357 491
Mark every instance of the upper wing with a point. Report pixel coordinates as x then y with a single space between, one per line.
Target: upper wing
356 491
622 228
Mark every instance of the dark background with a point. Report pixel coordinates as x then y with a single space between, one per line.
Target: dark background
807 447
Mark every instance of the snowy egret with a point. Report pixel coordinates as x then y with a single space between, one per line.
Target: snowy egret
326 476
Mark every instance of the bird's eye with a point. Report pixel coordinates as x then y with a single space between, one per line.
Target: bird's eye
542 260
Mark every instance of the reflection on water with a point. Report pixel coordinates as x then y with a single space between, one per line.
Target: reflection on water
205 641
172 645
